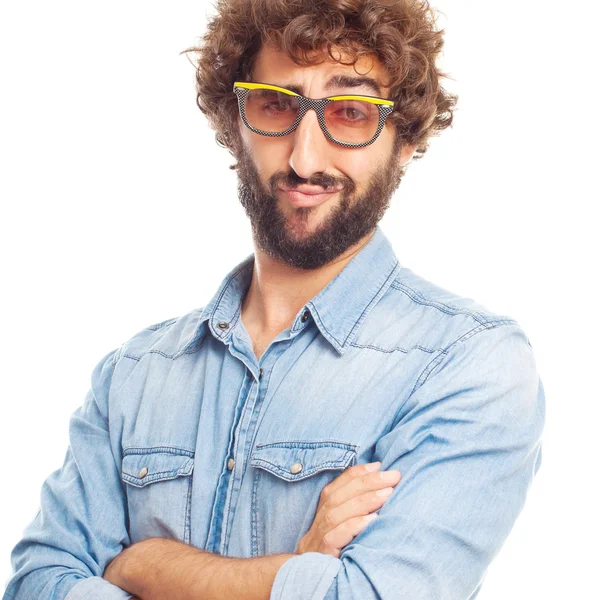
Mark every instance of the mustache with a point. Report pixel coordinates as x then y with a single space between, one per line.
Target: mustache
292 180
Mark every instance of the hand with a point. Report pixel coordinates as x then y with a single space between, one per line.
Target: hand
344 507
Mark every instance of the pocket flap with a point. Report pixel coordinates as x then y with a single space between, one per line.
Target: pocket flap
142 466
294 461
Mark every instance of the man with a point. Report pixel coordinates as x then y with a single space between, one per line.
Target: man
237 451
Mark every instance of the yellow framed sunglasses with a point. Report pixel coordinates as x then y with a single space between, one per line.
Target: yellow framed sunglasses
352 121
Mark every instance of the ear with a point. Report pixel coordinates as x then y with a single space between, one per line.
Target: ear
406 154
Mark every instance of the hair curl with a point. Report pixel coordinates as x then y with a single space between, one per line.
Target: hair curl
401 33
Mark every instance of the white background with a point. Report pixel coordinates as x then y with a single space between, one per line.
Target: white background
119 211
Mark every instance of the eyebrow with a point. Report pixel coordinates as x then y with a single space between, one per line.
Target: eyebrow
342 81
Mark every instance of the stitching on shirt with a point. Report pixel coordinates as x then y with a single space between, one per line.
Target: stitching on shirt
254 516
446 308
162 324
187 522
155 327
193 349
340 462
225 287
304 444
317 317
238 313
396 349
445 351
269 393
164 354
141 450
226 516
431 365
159 475
236 317
377 295
161 353
186 348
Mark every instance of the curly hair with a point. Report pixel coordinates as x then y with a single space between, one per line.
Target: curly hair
401 33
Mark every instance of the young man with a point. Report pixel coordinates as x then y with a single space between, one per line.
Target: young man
234 452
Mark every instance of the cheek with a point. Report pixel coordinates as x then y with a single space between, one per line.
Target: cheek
266 158
269 154
358 165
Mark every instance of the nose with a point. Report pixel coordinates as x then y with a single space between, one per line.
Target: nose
311 148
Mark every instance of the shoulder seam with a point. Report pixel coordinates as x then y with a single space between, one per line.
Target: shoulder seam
161 324
443 353
120 351
441 306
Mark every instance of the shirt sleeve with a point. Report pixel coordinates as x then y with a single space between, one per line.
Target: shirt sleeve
468 444
81 523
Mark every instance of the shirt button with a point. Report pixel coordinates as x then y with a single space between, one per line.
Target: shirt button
296 468
230 464
260 373
305 316
223 325
143 472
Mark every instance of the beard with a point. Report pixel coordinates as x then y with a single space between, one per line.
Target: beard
287 239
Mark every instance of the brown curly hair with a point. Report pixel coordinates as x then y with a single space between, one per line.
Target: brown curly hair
401 33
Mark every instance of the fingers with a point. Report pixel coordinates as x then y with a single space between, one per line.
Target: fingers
348 499
359 506
345 507
345 532
356 482
349 474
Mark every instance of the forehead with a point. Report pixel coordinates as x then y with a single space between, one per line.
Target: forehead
275 66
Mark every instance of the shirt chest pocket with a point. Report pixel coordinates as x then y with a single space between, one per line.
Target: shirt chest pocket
287 479
159 492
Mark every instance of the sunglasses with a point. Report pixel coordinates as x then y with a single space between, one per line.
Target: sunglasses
349 120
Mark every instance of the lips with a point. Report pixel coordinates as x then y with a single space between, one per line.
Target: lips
311 190
298 198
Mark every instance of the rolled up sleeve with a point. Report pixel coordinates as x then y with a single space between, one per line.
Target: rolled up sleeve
81 523
468 444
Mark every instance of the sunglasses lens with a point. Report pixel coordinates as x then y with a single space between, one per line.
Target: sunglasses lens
271 111
352 121
348 121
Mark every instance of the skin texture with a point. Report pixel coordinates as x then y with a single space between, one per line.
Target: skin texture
298 250
161 569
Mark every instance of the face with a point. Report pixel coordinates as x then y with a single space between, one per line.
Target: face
309 237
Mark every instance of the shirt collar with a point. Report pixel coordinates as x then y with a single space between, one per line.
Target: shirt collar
338 309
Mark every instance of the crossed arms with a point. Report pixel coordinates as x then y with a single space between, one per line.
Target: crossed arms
468 443
158 569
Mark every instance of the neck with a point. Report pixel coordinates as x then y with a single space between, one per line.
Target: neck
277 291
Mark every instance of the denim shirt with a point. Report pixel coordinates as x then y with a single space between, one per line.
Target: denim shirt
184 434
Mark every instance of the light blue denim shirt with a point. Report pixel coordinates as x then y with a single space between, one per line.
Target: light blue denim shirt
184 434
